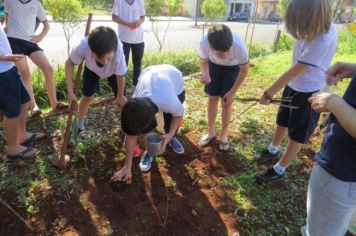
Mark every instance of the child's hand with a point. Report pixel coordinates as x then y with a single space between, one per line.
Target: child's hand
36 38
228 98
121 101
205 79
339 71
265 99
124 174
71 98
13 57
320 102
166 138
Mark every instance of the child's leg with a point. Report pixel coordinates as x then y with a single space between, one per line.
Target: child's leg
279 135
24 70
83 110
291 153
137 55
225 117
212 112
40 59
22 134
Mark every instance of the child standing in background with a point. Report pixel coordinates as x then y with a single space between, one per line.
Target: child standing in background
308 21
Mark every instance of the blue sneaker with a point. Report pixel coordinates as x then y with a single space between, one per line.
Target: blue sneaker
146 162
176 146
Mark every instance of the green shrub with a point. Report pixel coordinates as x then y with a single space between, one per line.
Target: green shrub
259 50
286 42
347 41
186 61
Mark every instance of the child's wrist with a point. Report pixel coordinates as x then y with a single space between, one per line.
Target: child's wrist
267 95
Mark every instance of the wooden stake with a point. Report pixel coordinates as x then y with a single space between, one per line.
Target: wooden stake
66 136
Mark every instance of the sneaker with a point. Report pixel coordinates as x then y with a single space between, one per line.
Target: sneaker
270 175
265 156
146 162
176 146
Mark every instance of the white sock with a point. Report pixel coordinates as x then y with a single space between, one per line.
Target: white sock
273 149
81 124
279 169
36 108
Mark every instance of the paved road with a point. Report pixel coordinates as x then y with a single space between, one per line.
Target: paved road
182 34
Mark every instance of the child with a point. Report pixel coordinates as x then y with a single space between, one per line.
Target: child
103 58
224 66
332 185
160 88
313 52
13 105
130 15
20 27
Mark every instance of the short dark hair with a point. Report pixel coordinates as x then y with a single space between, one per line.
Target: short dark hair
137 115
220 37
102 40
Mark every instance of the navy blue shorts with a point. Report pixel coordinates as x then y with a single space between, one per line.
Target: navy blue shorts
222 79
167 117
12 93
91 83
20 46
301 122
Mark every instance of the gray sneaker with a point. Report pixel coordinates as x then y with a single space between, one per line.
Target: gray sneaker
265 156
176 146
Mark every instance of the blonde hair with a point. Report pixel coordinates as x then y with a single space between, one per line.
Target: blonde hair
307 19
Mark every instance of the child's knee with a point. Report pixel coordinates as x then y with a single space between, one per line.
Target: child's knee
48 69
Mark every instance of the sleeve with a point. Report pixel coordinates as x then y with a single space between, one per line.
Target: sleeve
121 68
41 13
173 106
204 49
241 52
142 8
312 54
116 8
77 54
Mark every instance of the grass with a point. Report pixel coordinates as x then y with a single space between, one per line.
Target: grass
261 210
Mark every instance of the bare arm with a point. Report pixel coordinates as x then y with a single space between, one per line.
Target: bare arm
241 77
121 99
345 114
38 38
69 70
294 71
118 20
204 69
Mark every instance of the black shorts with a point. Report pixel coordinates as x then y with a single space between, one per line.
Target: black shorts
91 83
167 118
20 46
12 93
301 122
222 79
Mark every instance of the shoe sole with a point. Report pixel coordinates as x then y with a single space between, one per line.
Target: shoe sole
265 161
260 182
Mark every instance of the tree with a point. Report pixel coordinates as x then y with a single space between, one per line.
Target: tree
213 9
154 9
283 6
69 14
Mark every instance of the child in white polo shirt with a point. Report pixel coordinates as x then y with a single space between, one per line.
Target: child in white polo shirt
129 15
160 89
103 56
224 65
14 104
313 53
20 23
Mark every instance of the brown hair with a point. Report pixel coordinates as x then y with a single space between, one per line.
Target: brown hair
220 38
307 19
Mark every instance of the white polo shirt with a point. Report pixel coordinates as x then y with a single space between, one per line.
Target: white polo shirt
21 18
318 56
129 13
162 84
116 66
5 49
237 54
